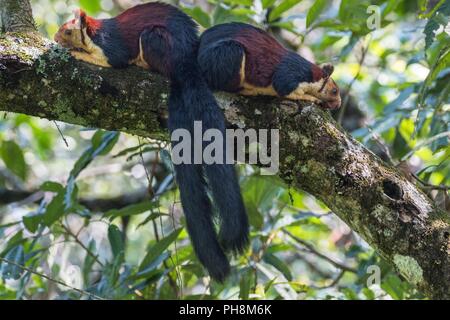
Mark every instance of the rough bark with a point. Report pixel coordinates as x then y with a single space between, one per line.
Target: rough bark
374 199
16 15
93 204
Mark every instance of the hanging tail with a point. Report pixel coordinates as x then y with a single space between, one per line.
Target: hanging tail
172 51
191 100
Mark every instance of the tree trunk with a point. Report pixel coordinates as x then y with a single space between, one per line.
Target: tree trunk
16 15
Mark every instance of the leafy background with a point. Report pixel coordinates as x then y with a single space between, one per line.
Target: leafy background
89 214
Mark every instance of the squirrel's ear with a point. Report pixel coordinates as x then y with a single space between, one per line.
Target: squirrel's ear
80 15
327 69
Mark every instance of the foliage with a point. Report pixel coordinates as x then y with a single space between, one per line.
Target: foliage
139 249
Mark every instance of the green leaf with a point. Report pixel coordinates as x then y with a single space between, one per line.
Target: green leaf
12 271
115 238
130 210
267 3
34 219
12 156
298 287
155 251
54 210
91 6
393 286
284 6
166 159
129 150
89 261
5 226
397 102
370 295
16 240
150 268
348 47
114 269
287 25
199 15
242 12
247 3
50 186
315 10
260 194
353 16
444 62
438 18
70 194
278 264
102 143
429 32
246 283
254 215
32 222
350 294
150 217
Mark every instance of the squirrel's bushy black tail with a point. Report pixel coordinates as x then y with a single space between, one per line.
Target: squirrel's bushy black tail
191 100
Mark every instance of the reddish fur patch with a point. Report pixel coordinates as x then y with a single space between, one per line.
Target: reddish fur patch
263 54
134 21
317 73
92 25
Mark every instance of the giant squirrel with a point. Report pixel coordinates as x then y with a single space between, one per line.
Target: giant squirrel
240 58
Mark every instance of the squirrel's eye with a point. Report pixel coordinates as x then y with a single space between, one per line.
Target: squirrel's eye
334 91
68 32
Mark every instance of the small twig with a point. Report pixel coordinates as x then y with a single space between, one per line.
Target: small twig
425 88
332 284
77 240
313 266
350 85
61 134
177 270
311 249
51 279
426 142
430 185
150 176
381 144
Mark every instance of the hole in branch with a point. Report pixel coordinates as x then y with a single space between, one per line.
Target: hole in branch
392 190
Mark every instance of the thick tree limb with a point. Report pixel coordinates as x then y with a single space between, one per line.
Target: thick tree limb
374 199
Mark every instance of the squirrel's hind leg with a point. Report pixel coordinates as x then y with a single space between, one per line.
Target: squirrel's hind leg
220 64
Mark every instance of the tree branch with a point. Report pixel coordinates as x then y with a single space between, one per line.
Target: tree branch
16 15
93 204
374 199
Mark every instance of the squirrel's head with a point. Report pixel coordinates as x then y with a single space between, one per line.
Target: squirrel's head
76 33
326 89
